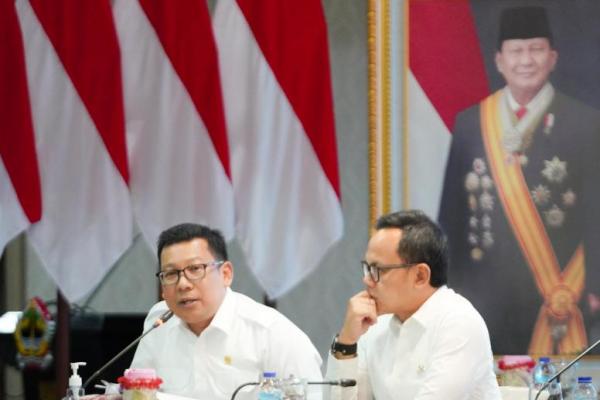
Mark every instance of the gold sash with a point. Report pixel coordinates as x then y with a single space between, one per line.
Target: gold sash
561 290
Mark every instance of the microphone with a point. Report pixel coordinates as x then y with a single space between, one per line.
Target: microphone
557 375
337 382
159 321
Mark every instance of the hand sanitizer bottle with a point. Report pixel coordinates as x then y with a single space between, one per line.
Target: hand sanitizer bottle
75 391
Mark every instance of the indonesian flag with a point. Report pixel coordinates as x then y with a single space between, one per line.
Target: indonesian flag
20 197
73 70
446 75
176 136
277 89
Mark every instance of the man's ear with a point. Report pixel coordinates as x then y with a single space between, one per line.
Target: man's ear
227 273
554 55
497 61
423 274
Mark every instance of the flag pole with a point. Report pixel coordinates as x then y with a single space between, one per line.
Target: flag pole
61 367
269 302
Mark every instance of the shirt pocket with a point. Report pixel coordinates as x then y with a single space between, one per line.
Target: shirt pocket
176 379
231 372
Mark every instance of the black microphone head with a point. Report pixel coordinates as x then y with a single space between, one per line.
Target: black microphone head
347 382
162 319
166 316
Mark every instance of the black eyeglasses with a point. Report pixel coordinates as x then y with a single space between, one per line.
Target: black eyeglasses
372 270
192 272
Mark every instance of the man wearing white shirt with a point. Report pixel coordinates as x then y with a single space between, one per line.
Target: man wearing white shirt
407 336
218 339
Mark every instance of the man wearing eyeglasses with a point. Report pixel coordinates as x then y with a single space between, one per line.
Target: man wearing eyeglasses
407 336
218 339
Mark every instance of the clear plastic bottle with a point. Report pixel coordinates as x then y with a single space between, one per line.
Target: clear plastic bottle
585 389
542 372
269 387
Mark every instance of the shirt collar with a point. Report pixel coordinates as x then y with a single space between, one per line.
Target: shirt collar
427 312
545 91
224 317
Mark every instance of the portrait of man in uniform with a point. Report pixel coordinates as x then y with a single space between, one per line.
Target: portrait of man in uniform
520 199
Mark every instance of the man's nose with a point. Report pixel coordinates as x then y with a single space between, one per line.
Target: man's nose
526 57
368 281
184 283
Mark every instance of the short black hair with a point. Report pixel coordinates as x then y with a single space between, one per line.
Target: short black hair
188 231
423 241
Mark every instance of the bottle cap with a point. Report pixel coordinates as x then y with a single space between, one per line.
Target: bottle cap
544 360
269 374
584 379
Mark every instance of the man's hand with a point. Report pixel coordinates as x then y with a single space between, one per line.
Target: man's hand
360 315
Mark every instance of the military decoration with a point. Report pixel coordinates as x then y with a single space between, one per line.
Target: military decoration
548 123
551 195
472 182
523 160
476 254
481 202
487 240
554 216
541 195
569 198
555 171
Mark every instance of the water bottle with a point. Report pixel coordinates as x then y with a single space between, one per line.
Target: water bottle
585 389
542 372
269 387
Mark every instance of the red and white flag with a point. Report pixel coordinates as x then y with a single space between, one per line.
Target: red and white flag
73 69
20 198
176 136
277 89
438 91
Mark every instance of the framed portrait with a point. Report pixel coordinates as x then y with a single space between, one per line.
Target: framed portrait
484 114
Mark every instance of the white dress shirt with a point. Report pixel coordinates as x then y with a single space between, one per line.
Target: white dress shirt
441 352
244 339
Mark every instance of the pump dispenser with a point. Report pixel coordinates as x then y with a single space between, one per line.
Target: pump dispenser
75 391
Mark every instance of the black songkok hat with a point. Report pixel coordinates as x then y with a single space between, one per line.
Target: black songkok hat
524 23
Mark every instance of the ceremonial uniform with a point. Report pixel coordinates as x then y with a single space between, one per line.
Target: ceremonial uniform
520 209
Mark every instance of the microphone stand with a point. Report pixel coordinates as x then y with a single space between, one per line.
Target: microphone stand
340 382
557 375
161 320
235 392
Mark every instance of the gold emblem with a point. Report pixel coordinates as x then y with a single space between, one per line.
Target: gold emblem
561 302
476 254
